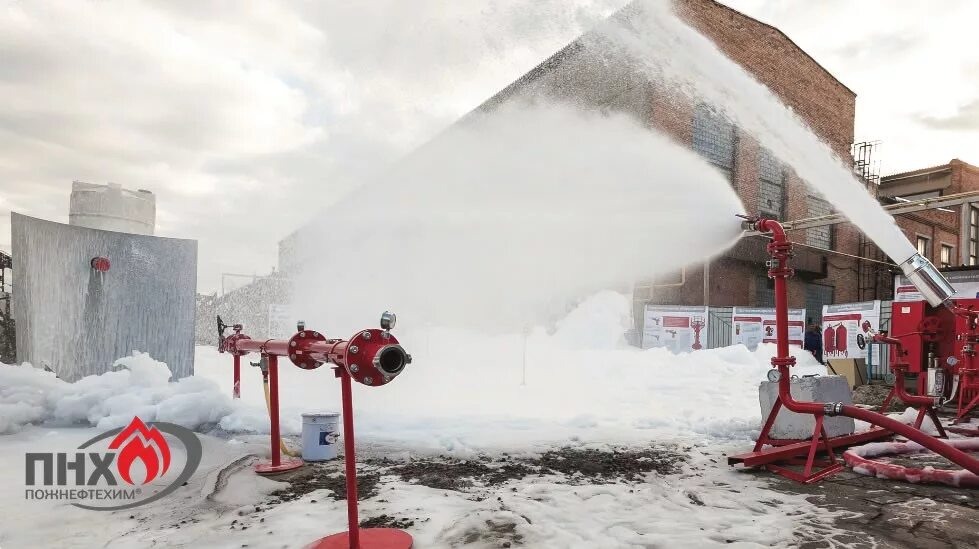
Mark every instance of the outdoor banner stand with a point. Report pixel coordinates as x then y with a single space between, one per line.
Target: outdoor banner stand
677 327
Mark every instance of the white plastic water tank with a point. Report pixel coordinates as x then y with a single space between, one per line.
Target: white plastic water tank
112 208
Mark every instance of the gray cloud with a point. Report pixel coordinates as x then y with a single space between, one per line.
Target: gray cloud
966 119
246 118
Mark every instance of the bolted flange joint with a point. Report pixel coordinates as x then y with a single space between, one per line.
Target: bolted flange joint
786 361
833 408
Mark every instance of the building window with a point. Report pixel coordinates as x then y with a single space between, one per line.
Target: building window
771 181
817 296
973 235
945 260
764 292
714 138
923 246
819 237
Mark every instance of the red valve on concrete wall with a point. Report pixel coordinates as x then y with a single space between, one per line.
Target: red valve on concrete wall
101 264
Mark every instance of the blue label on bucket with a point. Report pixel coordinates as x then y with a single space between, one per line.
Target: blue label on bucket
327 438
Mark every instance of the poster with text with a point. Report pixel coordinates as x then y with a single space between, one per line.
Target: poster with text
678 328
847 328
965 283
753 325
282 324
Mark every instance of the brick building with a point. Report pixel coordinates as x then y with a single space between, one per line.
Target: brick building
594 79
948 236
589 75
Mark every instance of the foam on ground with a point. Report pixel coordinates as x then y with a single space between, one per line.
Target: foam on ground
463 391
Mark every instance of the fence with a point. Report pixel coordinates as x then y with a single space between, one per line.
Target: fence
719 326
878 356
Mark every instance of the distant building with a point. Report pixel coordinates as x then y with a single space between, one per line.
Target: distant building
948 236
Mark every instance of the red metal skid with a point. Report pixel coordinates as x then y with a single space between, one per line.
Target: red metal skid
781 453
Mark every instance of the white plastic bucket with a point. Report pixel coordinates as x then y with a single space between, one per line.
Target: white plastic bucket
321 434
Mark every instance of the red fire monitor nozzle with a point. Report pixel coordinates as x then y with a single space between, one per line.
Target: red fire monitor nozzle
372 357
776 458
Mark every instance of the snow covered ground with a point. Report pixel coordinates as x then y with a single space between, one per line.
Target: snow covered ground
465 395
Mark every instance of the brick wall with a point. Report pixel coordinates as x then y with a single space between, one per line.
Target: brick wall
812 92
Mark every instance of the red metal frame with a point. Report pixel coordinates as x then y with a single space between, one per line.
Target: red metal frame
776 459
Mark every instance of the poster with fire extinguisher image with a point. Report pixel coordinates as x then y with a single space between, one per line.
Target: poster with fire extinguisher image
848 328
679 328
753 325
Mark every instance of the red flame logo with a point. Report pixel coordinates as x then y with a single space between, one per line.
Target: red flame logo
155 453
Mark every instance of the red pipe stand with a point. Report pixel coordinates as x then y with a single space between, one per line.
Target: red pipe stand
236 390
371 357
355 537
277 465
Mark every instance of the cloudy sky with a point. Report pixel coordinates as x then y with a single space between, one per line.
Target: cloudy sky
246 118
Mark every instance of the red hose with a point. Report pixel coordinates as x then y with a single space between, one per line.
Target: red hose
935 445
862 462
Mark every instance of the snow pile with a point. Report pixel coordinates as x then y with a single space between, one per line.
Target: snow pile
139 386
910 415
599 322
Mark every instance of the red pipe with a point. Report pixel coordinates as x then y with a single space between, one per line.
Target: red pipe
899 390
274 411
276 347
349 459
322 351
236 390
780 249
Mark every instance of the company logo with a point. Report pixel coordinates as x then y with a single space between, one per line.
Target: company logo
137 455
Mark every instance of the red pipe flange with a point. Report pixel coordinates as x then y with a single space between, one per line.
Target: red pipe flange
300 346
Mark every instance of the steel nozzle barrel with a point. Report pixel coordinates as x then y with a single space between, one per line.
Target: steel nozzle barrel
934 287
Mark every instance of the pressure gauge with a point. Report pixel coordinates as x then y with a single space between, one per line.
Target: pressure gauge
774 375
